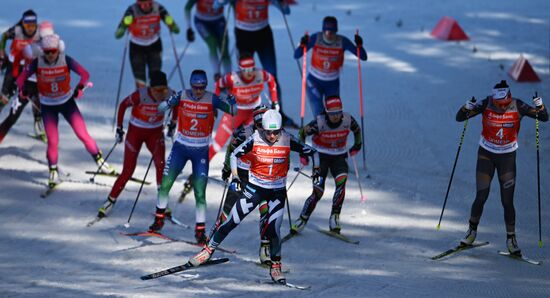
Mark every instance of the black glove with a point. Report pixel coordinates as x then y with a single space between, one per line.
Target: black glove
236 184
315 174
226 172
304 40
119 135
77 90
190 35
171 129
358 41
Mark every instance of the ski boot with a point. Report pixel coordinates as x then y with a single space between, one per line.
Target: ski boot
470 235
39 129
512 244
334 223
265 256
106 208
299 224
187 187
53 179
276 273
200 233
204 255
159 221
105 168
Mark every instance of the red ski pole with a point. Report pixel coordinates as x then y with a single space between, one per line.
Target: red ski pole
361 101
304 66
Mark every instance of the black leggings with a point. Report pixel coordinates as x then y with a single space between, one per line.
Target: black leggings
338 166
505 165
251 197
145 56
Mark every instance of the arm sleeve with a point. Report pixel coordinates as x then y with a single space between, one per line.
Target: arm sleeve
272 85
299 52
241 150
8 34
29 71
129 101
350 47
464 114
531 112
128 13
356 129
303 149
220 104
187 11
79 69
237 139
163 12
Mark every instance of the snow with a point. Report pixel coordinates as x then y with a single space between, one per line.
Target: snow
413 85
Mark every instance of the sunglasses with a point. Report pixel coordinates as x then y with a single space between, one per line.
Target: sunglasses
198 88
247 70
145 4
50 52
273 132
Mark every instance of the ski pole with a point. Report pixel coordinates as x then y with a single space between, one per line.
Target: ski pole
127 224
537 137
104 161
213 230
360 78
173 71
120 79
292 44
224 39
454 165
286 197
177 60
363 198
303 105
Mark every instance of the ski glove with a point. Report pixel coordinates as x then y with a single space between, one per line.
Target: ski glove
304 40
22 94
119 135
275 106
190 35
304 160
470 105
171 129
537 101
231 99
315 174
236 184
226 172
358 40
78 91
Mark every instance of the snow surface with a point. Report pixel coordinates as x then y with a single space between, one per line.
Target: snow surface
413 86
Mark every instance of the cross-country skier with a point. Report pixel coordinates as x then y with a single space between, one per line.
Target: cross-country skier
327 59
211 25
269 153
146 126
501 117
22 34
53 73
247 86
253 35
243 166
29 53
142 19
330 134
195 112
